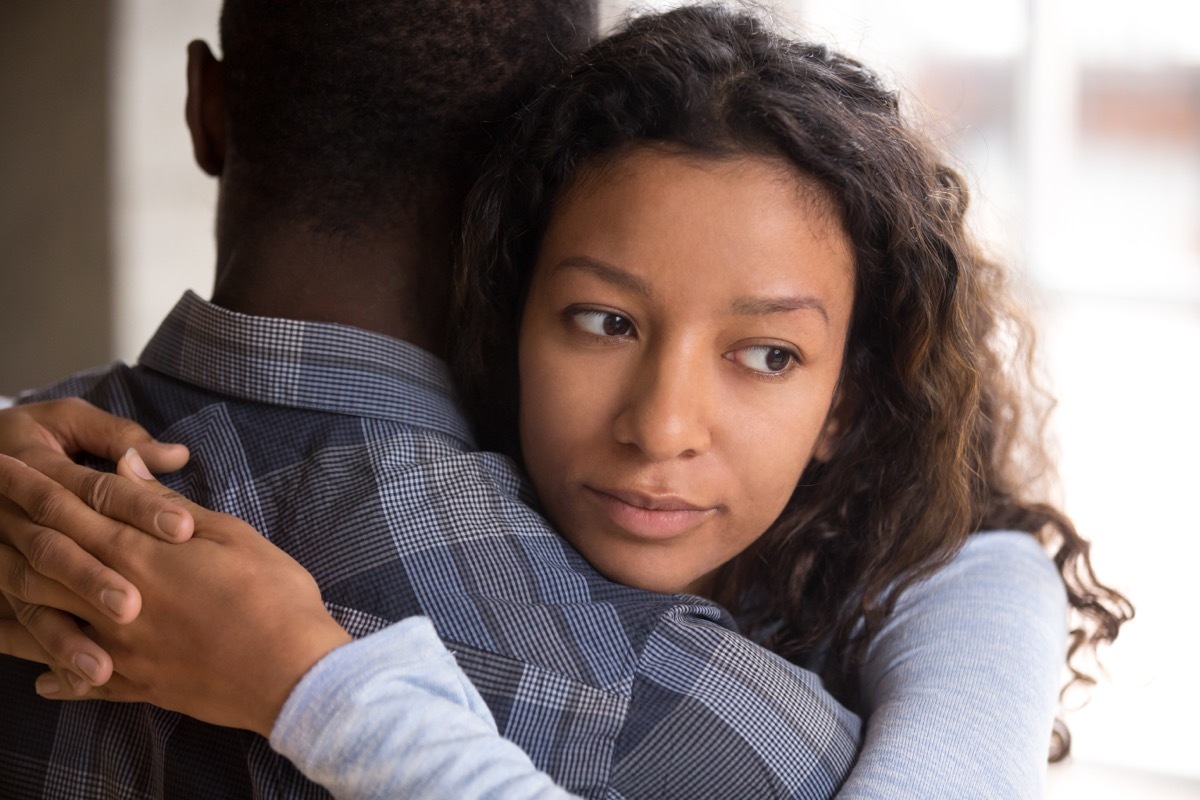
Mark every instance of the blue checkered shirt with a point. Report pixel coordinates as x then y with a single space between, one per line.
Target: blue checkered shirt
345 448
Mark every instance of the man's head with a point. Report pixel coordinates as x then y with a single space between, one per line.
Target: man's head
346 114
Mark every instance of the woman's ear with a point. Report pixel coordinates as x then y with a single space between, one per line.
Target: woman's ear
205 109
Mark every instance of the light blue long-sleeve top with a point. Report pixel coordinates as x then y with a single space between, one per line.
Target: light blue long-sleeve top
960 689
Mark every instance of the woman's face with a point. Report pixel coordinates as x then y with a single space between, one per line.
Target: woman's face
679 355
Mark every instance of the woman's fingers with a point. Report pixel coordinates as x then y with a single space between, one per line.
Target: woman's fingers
54 686
54 530
20 581
76 657
63 539
53 637
77 426
18 642
36 632
15 638
132 472
43 434
153 509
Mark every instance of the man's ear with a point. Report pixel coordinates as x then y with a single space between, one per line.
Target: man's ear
205 109
841 417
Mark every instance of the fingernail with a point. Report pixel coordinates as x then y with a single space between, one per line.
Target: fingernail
137 465
87 665
47 684
168 522
113 600
77 685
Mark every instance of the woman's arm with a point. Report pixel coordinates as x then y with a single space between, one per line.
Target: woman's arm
392 715
250 644
961 685
228 623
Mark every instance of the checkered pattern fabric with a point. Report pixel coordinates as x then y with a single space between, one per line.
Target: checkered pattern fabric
346 450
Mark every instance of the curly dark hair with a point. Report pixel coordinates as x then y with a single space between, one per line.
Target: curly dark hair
942 426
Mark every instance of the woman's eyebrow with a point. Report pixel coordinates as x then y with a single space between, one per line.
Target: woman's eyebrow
745 306
607 273
758 306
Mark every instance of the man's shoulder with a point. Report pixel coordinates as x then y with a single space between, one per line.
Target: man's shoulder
83 383
643 693
703 695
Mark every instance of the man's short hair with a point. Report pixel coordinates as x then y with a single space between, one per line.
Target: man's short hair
342 110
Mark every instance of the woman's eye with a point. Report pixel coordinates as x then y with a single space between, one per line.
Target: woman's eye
602 323
766 359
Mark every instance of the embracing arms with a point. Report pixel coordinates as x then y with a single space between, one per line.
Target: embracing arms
44 435
242 570
929 696
387 715
961 684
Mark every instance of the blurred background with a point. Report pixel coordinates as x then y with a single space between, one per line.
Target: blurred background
1076 123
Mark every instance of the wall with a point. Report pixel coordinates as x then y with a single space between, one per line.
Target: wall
55 221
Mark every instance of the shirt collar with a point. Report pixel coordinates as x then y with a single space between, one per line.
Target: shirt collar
320 366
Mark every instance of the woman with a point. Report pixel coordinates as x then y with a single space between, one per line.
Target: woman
710 241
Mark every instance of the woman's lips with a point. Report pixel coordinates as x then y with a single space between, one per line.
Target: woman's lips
650 516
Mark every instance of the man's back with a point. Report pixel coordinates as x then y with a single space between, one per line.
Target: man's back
345 449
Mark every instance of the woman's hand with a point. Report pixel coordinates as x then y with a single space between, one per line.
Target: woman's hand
15 640
38 557
229 623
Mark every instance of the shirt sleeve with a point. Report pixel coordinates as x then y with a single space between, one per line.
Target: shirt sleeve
392 715
961 685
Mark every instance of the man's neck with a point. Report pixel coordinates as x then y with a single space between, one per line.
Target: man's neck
387 285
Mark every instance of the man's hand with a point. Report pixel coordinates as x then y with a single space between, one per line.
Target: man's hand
38 551
229 622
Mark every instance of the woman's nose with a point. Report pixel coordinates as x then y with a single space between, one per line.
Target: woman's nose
668 407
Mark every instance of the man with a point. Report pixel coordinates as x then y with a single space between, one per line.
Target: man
311 398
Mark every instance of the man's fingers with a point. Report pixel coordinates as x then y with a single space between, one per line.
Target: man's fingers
80 427
42 520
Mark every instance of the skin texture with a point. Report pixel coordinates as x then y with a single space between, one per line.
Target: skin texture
679 358
34 556
181 648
